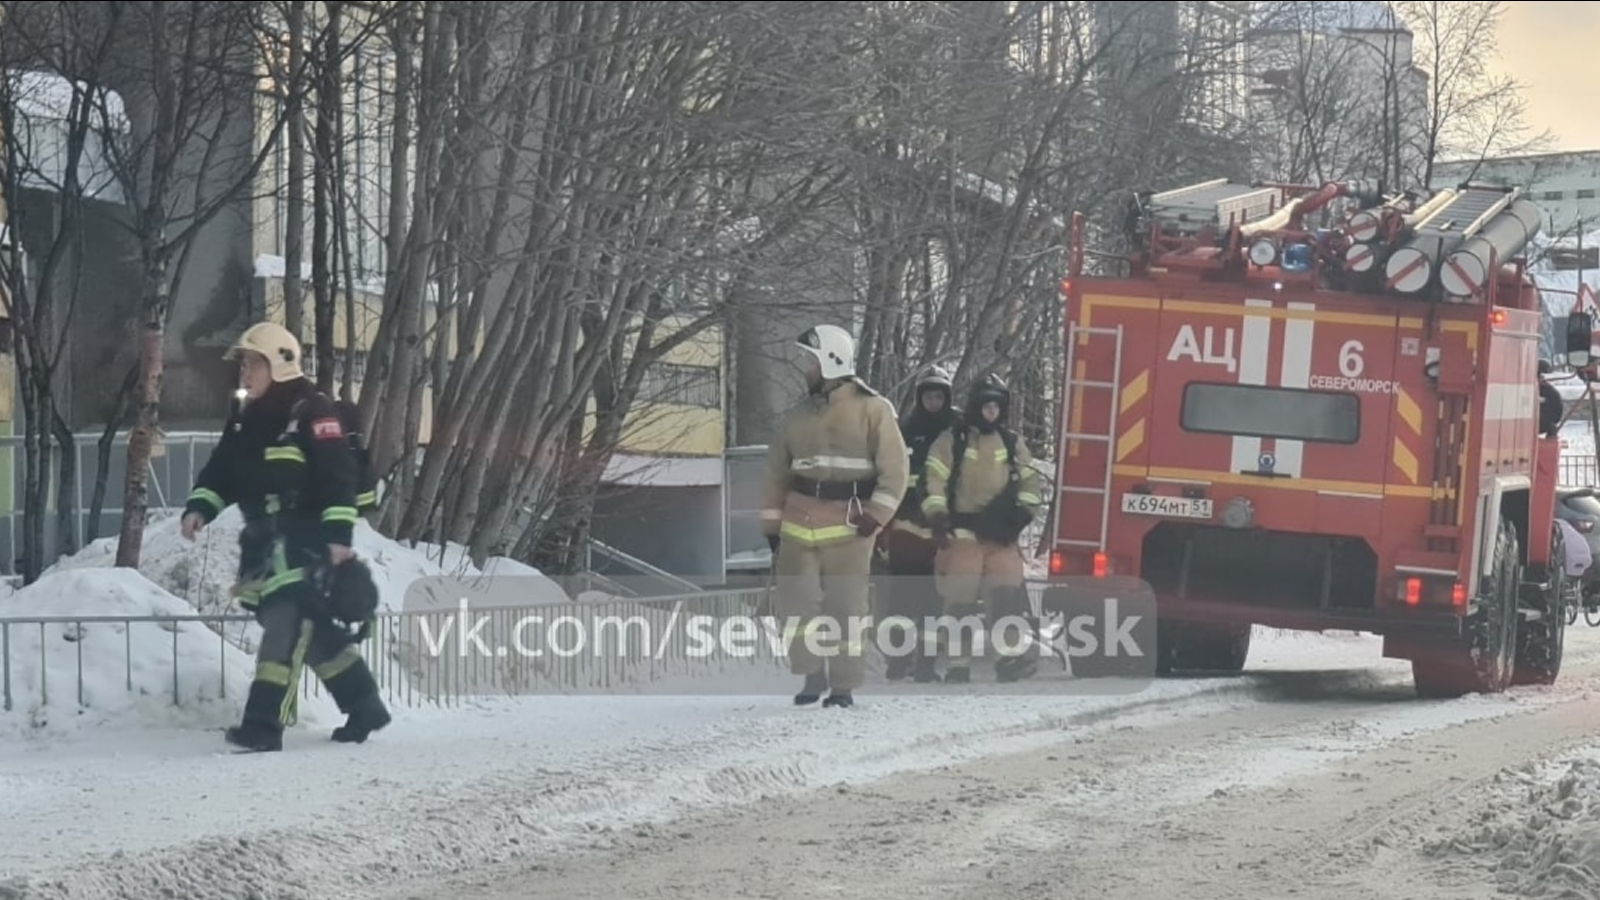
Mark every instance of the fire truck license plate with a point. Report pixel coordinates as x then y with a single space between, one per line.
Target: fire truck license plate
1180 507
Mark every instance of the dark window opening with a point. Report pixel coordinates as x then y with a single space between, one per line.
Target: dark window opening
1292 414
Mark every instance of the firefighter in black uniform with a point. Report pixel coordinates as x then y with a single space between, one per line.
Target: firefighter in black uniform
1551 407
284 459
914 602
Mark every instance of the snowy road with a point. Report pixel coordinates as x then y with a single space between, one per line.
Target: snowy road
1326 785
1317 774
1294 775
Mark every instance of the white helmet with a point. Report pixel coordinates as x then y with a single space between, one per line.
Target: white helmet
274 342
833 347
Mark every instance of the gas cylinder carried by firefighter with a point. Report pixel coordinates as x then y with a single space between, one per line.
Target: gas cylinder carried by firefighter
982 492
913 604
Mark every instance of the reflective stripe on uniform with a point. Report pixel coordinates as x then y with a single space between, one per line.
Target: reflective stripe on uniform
343 515
288 676
808 463
278 454
821 535
912 528
341 661
251 593
367 498
208 497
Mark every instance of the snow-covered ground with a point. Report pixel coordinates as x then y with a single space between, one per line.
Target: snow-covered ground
138 797
440 790
1540 830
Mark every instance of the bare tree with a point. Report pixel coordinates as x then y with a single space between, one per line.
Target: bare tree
1471 112
1381 90
190 71
58 114
994 127
599 185
1319 111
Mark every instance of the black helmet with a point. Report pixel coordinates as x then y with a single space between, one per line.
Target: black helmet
989 387
936 378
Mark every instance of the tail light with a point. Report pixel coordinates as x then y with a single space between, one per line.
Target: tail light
1058 563
1100 565
1416 592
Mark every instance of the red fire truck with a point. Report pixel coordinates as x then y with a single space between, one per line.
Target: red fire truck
1322 429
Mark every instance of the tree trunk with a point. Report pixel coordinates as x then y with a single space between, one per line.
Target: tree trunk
330 98
35 453
108 441
141 440
67 498
295 203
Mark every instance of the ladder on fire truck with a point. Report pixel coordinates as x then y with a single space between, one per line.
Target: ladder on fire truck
1109 437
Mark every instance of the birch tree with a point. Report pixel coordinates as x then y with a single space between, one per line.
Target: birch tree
190 154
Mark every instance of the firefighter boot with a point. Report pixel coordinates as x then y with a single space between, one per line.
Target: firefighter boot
816 683
367 716
899 664
959 668
839 698
898 668
356 692
255 736
1013 618
261 728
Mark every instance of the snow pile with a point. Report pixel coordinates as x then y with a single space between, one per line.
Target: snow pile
93 674
203 571
128 671
1541 834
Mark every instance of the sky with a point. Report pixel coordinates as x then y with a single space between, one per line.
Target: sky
1551 47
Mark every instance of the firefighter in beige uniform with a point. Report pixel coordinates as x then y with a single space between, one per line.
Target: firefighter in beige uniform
982 491
836 472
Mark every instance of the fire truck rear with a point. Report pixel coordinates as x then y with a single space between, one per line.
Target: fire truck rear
1318 429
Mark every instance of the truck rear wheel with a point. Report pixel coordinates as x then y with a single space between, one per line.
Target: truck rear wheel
1481 660
1541 640
1201 647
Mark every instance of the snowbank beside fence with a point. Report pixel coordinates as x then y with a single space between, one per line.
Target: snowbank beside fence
62 676
202 571
68 676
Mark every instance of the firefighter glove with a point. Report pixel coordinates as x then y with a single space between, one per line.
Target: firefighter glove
866 525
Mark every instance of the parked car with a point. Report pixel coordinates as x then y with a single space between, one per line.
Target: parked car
1580 508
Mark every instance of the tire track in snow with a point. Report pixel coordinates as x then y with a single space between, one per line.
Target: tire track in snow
1114 814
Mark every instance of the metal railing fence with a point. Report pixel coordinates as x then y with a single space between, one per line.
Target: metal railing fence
417 657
